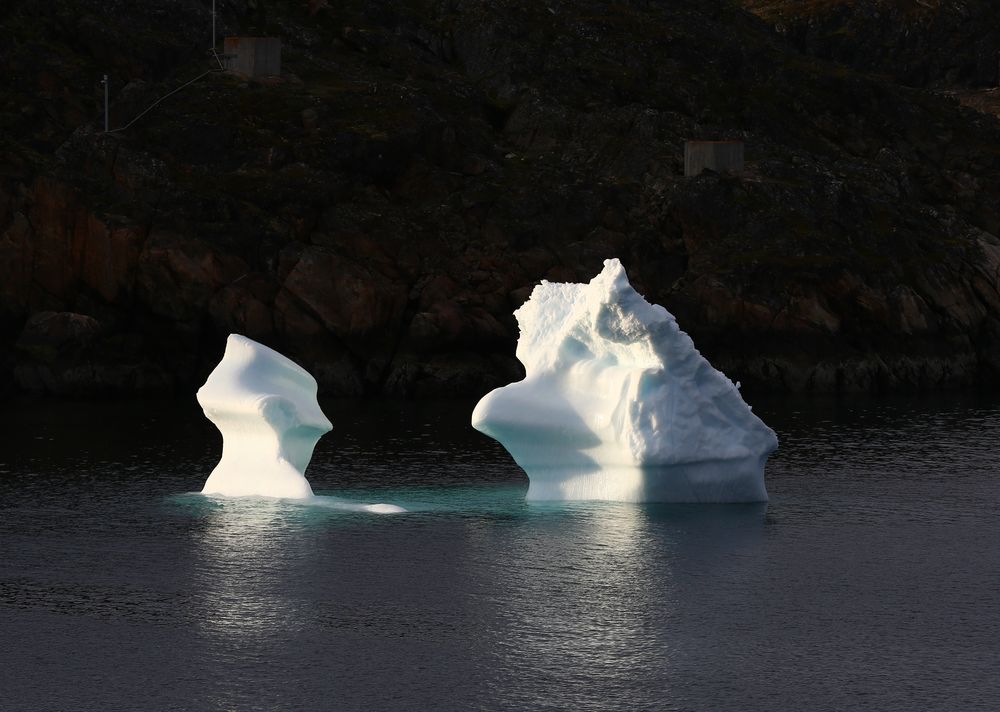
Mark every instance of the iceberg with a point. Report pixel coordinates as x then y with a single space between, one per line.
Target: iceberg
618 404
265 406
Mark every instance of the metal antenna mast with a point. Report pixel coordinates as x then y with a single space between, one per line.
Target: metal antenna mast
105 83
215 54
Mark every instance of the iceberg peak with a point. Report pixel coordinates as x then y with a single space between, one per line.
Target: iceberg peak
617 403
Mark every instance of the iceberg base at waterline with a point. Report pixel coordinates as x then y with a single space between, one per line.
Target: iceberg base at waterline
709 481
618 404
559 467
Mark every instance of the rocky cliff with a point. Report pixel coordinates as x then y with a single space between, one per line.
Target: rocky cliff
919 43
379 210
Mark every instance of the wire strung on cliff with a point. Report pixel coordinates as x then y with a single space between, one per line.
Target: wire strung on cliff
171 93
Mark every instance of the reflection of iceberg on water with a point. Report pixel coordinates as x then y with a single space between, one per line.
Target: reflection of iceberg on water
617 404
266 409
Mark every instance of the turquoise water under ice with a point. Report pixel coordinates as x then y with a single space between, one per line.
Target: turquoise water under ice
870 581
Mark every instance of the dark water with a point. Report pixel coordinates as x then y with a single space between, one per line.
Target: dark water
869 582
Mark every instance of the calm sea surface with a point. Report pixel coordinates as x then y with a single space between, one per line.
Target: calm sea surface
871 581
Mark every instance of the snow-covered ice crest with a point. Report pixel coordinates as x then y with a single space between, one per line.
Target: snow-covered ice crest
265 406
618 404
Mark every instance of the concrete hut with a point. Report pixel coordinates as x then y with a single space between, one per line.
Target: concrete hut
718 156
253 56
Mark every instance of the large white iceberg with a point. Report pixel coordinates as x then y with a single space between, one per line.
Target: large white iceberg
265 407
617 404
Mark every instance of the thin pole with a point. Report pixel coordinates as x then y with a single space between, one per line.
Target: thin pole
213 24
105 82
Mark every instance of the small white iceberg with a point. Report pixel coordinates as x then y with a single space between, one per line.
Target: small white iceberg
266 409
265 406
617 404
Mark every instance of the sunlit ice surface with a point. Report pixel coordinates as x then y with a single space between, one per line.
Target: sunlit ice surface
265 407
618 404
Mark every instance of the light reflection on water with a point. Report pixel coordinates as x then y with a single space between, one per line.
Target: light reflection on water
868 582
582 610
242 556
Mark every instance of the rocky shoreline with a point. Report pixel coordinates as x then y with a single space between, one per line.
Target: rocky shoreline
379 211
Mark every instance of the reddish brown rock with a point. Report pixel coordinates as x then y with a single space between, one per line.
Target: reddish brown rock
110 255
242 308
16 262
57 249
177 276
352 301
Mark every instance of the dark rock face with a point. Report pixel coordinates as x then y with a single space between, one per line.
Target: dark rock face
63 352
380 212
917 42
